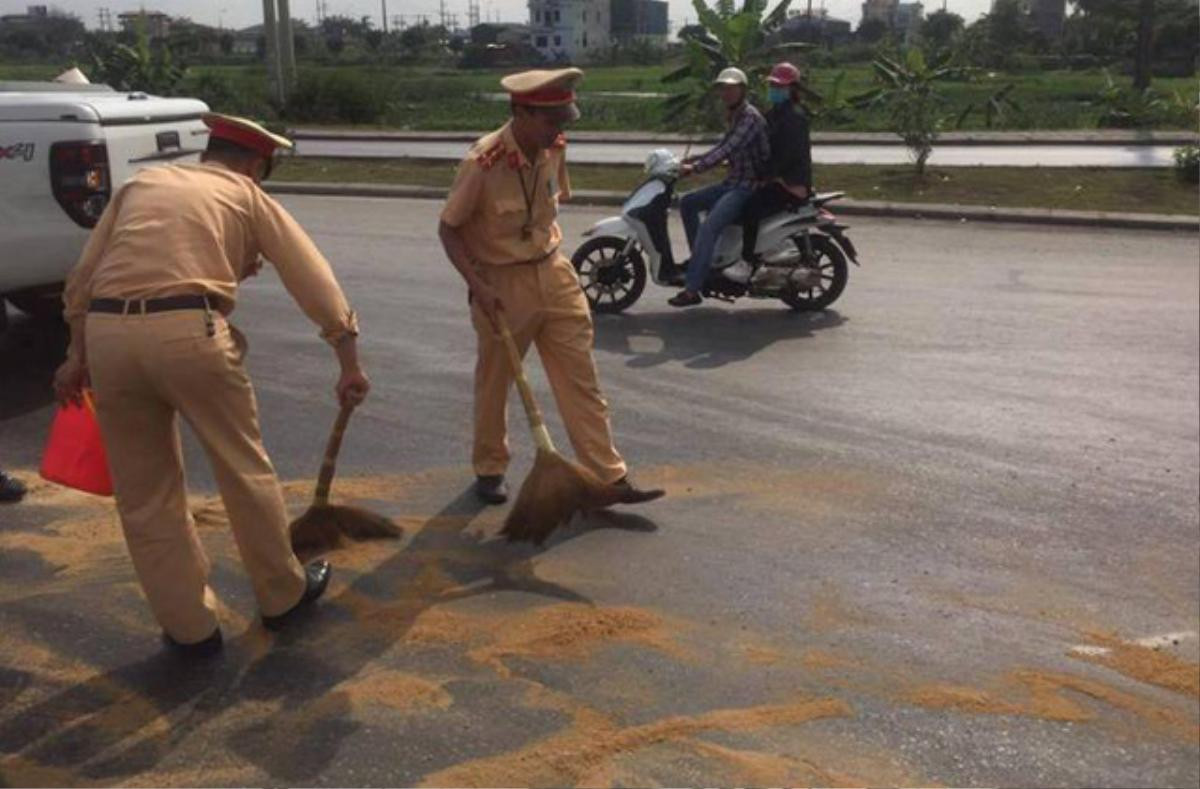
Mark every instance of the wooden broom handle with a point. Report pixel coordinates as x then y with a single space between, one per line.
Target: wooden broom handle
325 479
537 423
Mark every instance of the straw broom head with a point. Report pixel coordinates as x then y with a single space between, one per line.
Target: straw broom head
327 527
324 526
555 490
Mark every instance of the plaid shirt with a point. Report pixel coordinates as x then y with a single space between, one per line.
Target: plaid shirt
745 145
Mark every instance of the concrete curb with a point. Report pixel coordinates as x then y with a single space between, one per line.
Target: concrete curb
844 207
1105 137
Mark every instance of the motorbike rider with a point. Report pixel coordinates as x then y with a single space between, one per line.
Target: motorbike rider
746 148
790 169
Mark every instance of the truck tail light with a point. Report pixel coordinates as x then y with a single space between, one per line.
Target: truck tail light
80 179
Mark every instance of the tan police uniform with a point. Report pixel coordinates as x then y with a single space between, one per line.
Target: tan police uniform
506 209
180 230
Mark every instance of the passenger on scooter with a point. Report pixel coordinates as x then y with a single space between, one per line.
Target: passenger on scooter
790 170
747 150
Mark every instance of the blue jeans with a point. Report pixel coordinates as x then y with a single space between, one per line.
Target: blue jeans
723 202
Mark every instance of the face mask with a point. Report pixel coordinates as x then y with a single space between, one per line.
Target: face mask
777 94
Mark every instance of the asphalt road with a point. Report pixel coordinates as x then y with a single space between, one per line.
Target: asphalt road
910 541
1030 155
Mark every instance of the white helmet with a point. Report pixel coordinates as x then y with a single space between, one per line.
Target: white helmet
731 76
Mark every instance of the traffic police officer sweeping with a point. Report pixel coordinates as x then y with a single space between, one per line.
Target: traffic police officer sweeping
499 228
147 305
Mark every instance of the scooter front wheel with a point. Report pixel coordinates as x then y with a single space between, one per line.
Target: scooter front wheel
612 278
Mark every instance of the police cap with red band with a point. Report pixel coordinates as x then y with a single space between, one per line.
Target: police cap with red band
544 88
244 133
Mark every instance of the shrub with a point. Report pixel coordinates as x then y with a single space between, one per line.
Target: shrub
335 97
1187 163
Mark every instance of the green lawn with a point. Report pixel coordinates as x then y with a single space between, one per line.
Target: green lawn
429 98
1083 189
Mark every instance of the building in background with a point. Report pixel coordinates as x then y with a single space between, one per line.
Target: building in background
570 31
903 19
907 22
34 14
156 24
640 20
815 28
878 11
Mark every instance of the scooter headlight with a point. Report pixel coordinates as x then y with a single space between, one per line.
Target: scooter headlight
662 162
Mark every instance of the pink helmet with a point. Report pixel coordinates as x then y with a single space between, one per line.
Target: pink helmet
784 74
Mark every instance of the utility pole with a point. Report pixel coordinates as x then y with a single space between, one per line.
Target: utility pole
473 13
383 13
442 12
1145 45
287 48
274 64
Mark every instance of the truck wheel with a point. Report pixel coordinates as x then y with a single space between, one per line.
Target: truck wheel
43 304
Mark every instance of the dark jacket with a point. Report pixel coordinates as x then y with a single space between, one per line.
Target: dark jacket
791 149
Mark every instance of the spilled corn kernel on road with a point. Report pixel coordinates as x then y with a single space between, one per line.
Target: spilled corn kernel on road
945 532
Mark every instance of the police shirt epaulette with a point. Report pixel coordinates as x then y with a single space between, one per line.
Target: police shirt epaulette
491 155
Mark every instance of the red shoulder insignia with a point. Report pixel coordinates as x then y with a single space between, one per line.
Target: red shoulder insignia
514 160
490 156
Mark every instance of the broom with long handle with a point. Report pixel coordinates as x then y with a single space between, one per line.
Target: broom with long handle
556 488
324 526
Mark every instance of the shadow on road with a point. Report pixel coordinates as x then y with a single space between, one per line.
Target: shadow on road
30 352
705 338
111 727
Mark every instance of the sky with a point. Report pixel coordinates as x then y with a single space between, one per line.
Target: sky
243 13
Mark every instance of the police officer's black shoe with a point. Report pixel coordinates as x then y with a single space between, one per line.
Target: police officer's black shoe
316 577
491 488
630 493
11 489
201 649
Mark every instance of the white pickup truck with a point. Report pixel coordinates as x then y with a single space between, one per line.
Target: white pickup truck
64 149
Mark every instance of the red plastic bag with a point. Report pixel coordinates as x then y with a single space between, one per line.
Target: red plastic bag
74 453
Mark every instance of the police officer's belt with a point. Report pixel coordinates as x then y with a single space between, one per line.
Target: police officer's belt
532 261
147 306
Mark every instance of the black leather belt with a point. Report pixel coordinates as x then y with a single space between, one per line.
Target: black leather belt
147 306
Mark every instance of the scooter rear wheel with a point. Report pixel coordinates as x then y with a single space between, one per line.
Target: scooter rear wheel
829 274
612 280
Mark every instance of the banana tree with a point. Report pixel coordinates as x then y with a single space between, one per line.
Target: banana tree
908 91
140 67
732 36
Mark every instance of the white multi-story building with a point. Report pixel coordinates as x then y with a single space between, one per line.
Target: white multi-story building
570 30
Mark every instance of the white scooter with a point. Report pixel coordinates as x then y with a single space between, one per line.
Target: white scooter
801 251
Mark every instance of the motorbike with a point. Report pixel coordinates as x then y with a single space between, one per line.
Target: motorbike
801 251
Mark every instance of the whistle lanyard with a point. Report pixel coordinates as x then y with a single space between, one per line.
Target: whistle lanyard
527 228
